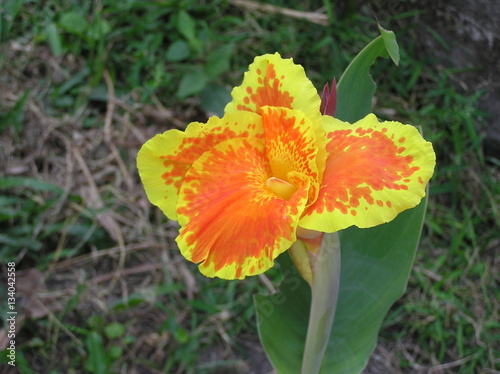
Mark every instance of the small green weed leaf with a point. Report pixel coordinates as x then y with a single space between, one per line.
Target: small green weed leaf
98 29
53 37
181 335
12 241
218 61
214 98
9 9
99 93
115 351
177 51
14 117
133 300
31 183
96 361
186 26
73 22
192 83
76 79
114 330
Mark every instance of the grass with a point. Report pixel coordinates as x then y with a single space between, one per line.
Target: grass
102 287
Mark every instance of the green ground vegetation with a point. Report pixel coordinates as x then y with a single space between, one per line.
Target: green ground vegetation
101 285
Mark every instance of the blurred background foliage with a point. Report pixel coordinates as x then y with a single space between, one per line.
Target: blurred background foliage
101 286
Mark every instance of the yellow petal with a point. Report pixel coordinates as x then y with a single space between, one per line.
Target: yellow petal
164 159
274 81
232 223
373 172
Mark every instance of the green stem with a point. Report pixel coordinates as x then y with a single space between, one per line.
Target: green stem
325 290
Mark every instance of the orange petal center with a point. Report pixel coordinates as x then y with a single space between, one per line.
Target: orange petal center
281 187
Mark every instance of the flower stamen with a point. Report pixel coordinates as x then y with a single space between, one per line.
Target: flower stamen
281 187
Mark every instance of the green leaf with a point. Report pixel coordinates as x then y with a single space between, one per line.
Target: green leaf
14 242
177 51
9 9
214 98
96 361
192 83
391 45
15 116
218 61
186 25
282 319
51 33
31 183
356 87
375 266
98 29
73 22
114 330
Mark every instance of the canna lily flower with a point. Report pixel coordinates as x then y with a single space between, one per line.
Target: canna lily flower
241 186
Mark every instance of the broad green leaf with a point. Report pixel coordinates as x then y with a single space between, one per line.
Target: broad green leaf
356 87
375 266
282 319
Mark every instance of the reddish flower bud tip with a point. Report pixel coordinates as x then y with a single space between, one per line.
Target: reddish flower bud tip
329 99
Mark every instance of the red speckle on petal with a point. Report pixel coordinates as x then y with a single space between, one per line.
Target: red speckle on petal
268 92
361 162
354 202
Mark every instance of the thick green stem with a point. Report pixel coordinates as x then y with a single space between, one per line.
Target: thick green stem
325 290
